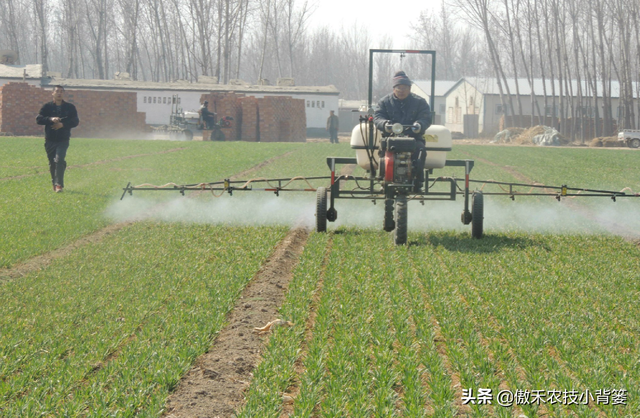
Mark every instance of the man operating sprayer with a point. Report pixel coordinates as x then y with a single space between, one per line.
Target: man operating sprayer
402 106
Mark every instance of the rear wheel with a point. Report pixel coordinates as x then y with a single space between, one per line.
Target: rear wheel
400 234
634 143
389 223
477 214
321 209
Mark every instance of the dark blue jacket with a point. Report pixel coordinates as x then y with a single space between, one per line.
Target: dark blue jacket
412 109
69 116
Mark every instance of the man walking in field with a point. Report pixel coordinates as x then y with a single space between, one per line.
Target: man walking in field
333 123
58 117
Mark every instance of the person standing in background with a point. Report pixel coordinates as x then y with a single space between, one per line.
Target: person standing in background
333 123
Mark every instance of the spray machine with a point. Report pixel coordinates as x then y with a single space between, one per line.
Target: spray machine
389 159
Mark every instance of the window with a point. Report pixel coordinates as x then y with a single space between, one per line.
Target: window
154 100
145 99
323 104
443 108
318 104
164 100
313 104
308 103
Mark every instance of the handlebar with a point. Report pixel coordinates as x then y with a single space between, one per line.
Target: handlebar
398 128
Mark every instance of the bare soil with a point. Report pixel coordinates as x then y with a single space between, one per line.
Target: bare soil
215 386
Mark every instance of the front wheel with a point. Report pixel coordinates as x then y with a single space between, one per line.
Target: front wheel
477 214
389 224
321 209
400 234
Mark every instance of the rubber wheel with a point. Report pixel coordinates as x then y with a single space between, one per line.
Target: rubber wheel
400 234
634 143
389 223
321 209
218 135
477 214
188 135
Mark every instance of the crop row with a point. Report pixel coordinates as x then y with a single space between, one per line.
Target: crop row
110 329
402 331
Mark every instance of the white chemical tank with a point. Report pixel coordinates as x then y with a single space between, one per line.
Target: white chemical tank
359 135
437 136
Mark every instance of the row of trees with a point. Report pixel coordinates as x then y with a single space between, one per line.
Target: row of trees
578 48
590 42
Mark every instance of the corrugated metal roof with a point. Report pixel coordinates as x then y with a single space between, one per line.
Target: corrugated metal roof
18 71
187 86
490 86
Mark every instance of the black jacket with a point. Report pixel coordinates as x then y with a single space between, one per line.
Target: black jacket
412 109
69 116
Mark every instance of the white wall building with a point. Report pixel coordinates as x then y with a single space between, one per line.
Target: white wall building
481 97
423 89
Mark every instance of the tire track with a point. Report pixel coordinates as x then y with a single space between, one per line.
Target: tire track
42 261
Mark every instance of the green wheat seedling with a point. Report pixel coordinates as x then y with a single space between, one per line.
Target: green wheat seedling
115 342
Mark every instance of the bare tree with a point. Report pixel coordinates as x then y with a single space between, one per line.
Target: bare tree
9 21
42 9
295 21
478 13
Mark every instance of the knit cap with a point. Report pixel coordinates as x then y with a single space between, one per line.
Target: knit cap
400 78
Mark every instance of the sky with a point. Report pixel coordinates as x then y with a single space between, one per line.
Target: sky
379 16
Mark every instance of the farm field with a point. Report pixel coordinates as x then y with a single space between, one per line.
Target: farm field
536 319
